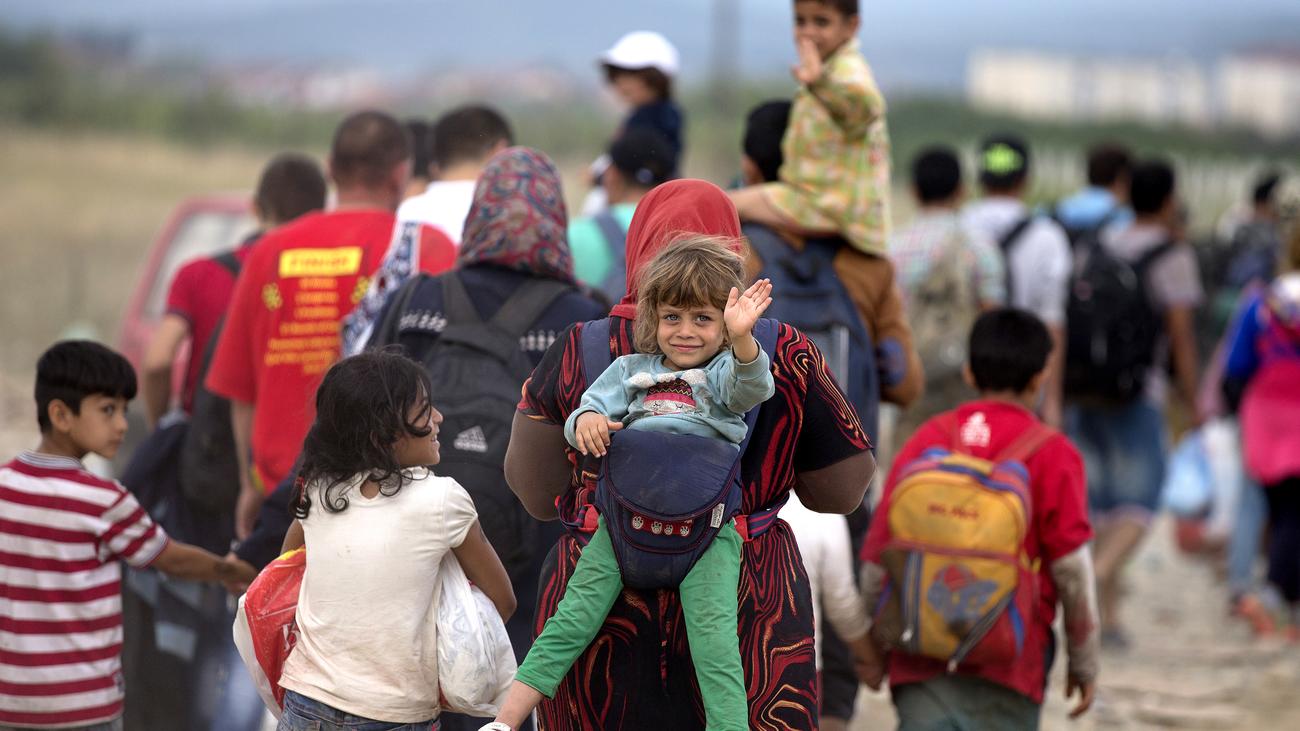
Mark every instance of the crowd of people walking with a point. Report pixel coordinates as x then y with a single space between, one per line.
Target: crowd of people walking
647 433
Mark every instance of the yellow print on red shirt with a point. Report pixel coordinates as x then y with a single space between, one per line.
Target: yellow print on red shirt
338 262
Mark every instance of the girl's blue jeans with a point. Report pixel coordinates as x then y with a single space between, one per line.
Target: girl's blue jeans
304 714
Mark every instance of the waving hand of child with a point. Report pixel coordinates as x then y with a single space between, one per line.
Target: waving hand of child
743 310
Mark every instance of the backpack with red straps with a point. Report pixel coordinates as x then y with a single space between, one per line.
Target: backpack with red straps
961 588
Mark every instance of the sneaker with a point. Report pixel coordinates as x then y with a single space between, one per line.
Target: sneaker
1250 608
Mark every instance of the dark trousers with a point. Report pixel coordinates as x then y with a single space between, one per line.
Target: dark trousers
1284 537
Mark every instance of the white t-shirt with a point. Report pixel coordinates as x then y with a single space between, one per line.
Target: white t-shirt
367 641
444 205
1040 260
827 553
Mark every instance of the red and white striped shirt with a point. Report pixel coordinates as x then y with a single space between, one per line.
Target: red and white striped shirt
62 533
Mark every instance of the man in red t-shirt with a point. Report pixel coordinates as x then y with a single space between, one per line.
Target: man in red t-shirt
282 330
1009 350
290 185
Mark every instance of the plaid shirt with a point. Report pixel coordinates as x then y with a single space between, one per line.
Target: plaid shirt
836 171
931 235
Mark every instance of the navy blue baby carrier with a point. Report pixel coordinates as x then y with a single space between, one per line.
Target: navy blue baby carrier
809 295
664 496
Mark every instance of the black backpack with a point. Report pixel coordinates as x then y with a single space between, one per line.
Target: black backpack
1112 325
477 368
209 467
808 294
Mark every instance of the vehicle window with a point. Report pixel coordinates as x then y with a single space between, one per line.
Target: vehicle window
200 234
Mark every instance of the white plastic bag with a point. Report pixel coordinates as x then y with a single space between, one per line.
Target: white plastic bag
1189 488
475 662
1222 439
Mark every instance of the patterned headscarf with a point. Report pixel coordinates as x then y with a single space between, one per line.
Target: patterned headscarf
674 208
518 220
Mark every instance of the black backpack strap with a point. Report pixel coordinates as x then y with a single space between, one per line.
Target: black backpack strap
518 313
228 261
1006 244
387 330
1012 236
595 349
1154 254
500 335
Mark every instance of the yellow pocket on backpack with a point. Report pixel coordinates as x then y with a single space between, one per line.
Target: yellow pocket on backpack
960 586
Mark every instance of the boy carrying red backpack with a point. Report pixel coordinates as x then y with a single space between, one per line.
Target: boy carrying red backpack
982 531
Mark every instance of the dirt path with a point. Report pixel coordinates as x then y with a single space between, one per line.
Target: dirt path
1190 666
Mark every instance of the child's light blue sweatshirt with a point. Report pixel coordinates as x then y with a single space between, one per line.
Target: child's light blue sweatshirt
709 401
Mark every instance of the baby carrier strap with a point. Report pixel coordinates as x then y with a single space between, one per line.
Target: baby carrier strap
595 339
595 350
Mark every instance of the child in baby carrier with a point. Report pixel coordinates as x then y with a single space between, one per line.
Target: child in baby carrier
670 424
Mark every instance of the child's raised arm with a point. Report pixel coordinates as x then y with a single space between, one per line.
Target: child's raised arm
847 90
747 380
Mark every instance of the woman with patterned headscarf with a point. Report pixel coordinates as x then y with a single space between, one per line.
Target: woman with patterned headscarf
512 293
637 674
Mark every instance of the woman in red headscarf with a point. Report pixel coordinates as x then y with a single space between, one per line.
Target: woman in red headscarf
638 673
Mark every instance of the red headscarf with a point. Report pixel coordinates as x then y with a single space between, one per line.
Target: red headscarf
670 210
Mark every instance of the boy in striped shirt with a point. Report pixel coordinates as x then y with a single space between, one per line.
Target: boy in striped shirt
62 533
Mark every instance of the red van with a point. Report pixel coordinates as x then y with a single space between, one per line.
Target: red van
199 226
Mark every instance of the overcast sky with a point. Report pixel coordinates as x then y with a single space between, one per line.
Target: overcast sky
911 43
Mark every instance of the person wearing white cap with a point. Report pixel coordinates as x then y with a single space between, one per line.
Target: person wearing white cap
640 68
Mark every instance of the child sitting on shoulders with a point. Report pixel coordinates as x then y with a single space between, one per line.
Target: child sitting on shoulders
835 178
699 371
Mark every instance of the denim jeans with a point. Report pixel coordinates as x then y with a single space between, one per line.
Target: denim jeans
1246 537
1123 450
304 714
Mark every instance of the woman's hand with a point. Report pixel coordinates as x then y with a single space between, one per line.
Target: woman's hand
743 310
592 433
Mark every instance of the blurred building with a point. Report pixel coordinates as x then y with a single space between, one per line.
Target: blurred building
1261 90
1258 90
1059 87
306 86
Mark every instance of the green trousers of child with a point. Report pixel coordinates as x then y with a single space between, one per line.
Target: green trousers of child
708 595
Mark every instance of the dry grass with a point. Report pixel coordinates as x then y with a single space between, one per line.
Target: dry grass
77 217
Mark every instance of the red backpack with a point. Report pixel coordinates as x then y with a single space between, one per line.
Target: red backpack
1270 407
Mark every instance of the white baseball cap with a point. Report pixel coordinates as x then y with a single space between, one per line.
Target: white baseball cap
643 49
